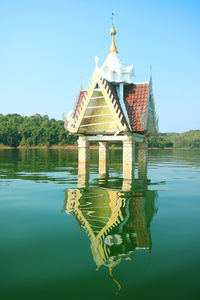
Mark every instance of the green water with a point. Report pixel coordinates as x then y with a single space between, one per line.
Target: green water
56 241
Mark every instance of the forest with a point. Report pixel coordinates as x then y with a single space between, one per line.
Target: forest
17 130
37 130
189 139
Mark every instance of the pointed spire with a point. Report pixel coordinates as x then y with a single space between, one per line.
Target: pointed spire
81 83
96 59
113 46
150 80
151 72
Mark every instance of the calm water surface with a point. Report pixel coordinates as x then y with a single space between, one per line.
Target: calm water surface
64 237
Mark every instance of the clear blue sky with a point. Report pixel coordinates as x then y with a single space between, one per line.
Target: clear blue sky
46 45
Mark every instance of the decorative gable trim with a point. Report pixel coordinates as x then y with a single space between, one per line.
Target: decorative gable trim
114 105
74 121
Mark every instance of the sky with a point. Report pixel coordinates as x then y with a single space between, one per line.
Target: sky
46 46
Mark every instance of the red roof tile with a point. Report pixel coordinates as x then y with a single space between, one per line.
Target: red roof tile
135 98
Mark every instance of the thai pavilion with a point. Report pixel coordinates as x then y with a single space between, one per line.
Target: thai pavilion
114 108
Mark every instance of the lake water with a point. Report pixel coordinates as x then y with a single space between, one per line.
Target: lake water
101 238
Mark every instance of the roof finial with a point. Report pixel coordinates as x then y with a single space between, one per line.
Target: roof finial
81 82
151 70
150 80
113 32
112 18
96 59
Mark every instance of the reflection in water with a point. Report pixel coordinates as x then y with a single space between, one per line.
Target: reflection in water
116 221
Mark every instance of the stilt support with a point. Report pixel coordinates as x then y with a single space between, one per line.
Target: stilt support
83 155
103 158
128 158
142 159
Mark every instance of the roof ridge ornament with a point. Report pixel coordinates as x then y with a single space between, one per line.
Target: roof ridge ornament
96 59
113 46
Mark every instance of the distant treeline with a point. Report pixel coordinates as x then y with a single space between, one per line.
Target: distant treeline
16 130
189 139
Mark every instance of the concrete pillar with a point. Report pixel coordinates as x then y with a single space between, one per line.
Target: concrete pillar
142 159
103 158
128 158
83 180
127 185
83 155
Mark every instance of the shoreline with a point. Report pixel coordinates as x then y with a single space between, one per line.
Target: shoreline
74 147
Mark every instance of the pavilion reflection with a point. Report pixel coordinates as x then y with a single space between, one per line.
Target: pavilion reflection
117 221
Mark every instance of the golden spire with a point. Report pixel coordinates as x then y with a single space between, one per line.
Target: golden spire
113 46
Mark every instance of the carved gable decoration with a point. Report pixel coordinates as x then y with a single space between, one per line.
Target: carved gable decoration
98 109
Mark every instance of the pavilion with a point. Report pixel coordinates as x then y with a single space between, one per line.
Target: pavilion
114 108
